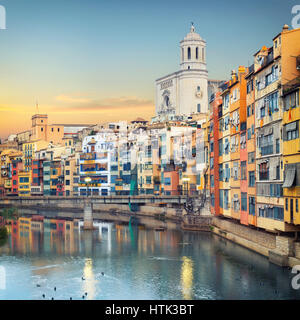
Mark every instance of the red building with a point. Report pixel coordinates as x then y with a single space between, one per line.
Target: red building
37 177
16 167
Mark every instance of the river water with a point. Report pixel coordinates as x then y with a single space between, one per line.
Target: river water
117 261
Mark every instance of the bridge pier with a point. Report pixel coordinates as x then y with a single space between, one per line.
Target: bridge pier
88 215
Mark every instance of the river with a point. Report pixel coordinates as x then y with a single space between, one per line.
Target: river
55 258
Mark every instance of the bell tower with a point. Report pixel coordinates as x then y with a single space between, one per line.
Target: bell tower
193 51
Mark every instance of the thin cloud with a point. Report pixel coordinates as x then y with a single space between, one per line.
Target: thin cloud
87 104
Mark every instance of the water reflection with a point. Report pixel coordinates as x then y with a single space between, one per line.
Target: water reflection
132 261
187 278
89 284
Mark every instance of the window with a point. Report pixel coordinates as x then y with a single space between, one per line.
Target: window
198 107
244 201
249 86
220 172
291 131
249 111
221 198
266 144
197 53
262 111
220 147
226 199
251 157
243 170
278 172
149 179
189 53
297 207
226 101
263 171
291 100
212 181
252 206
212 199
227 173
251 178
235 171
226 146
286 204
67 182
211 162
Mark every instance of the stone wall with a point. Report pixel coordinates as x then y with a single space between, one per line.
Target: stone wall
260 237
297 249
285 245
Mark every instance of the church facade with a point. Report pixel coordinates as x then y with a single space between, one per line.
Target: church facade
184 92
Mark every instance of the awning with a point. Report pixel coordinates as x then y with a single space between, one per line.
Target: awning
289 178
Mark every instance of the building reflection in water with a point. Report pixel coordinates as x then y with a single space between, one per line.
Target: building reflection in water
187 278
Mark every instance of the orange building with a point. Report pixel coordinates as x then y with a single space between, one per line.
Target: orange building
251 148
237 87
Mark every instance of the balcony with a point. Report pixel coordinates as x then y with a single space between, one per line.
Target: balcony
94 156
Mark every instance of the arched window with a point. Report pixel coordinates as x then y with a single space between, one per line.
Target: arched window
189 53
197 53
189 67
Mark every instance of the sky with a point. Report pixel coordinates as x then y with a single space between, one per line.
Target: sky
93 61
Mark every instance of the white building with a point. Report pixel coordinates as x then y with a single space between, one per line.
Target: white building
184 92
96 163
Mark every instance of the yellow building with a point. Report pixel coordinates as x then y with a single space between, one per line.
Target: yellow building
29 149
6 158
24 183
291 152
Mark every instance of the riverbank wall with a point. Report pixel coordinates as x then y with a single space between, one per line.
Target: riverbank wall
280 250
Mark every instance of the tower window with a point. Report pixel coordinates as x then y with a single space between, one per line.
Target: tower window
189 53
188 67
42 129
197 53
198 107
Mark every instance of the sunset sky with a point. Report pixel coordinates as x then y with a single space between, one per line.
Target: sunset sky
91 61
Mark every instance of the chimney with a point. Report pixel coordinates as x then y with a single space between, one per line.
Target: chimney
285 28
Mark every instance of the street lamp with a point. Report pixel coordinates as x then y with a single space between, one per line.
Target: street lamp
87 180
186 180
